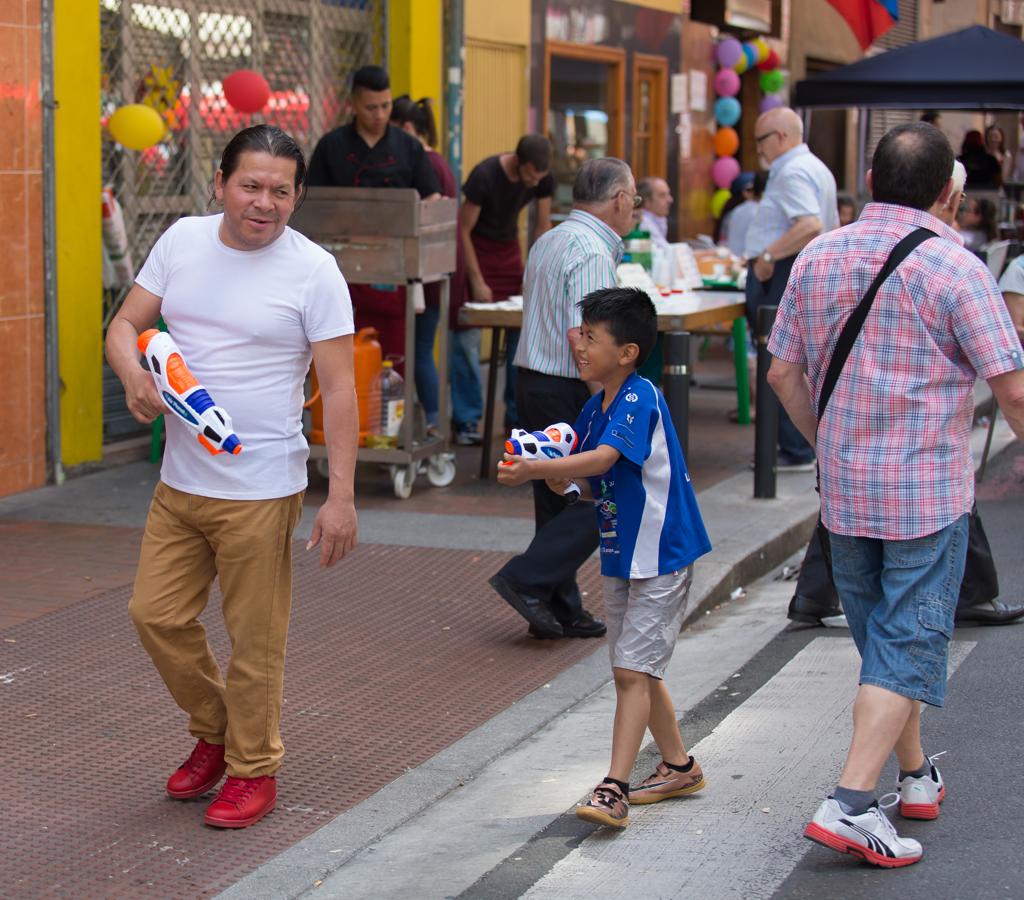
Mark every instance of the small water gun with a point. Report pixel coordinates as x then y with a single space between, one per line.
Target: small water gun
554 442
185 396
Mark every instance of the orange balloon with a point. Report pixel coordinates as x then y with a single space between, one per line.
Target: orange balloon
727 142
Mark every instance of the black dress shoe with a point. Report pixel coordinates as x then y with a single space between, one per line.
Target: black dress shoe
533 609
992 612
808 612
585 626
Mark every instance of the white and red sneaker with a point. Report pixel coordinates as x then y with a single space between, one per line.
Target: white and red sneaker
920 798
870 836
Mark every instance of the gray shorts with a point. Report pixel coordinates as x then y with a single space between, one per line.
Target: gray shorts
644 616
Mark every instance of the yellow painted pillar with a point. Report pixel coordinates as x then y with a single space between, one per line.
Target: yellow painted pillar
416 51
77 171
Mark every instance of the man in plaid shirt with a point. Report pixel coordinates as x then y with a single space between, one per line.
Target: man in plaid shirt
897 477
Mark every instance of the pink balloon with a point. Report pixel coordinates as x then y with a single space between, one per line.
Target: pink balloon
727 83
770 101
724 170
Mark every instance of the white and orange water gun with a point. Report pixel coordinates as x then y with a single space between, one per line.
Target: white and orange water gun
185 396
554 442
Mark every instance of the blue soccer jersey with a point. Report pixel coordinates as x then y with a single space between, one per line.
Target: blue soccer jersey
647 513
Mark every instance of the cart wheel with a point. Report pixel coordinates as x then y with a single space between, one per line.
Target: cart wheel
323 468
441 469
402 477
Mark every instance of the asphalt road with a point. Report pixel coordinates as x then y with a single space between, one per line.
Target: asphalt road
973 849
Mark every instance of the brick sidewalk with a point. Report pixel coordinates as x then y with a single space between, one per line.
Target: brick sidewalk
391 659
393 656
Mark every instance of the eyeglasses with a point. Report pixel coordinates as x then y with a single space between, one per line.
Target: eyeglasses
764 137
638 200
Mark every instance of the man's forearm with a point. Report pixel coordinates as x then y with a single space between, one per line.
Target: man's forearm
800 234
341 425
794 394
122 348
1009 393
469 252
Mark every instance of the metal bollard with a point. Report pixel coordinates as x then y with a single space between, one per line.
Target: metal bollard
675 384
766 429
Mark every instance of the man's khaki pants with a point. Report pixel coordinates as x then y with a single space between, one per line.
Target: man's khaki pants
190 539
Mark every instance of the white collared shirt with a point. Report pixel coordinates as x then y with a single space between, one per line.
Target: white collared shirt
799 184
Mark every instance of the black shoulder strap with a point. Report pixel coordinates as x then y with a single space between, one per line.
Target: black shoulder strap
848 336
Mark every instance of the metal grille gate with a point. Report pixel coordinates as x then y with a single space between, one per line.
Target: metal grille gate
173 56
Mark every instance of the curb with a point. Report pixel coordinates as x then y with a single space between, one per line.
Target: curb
785 523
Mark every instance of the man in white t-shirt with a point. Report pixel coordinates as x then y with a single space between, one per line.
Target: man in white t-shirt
249 302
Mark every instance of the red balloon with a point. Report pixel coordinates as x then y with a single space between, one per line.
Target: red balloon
246 91
771 61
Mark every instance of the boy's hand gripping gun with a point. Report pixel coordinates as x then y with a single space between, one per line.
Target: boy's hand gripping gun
185 396
554 442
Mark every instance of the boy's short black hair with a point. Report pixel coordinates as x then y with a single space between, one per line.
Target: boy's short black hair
627 313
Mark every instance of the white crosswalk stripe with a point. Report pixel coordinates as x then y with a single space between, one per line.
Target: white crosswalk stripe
768 766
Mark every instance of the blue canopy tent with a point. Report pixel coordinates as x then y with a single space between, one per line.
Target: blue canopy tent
973 69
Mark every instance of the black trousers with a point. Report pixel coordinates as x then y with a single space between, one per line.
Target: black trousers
566 535
793 446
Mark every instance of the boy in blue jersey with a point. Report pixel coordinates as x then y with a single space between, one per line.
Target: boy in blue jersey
628 461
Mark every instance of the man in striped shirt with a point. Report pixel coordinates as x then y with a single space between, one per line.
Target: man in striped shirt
566 264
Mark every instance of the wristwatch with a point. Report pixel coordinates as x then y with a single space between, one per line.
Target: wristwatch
766 257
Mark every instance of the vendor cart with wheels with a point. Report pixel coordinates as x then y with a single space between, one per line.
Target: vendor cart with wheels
391 236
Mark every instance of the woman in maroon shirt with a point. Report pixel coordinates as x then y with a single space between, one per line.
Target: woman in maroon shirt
417 118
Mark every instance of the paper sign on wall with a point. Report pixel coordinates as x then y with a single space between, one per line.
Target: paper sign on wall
685 131
678 93
698 90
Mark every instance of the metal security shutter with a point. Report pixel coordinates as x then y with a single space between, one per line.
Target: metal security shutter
904 32
174 56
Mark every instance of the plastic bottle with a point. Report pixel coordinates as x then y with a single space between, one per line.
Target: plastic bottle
638 246
368 362
392 407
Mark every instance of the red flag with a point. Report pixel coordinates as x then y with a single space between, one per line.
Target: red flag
868 19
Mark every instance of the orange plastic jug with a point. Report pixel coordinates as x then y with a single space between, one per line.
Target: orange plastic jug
367 360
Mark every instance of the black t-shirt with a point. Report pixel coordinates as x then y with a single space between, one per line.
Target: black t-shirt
343 159
499 199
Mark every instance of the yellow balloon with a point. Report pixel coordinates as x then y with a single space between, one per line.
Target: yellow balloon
742 64
136 126
718 201
761 45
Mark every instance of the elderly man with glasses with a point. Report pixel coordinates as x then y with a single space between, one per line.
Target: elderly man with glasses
799 203
564 265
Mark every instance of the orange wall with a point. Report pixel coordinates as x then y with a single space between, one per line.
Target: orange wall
22 362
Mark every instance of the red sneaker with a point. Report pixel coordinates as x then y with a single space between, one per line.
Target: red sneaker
199 773
242 802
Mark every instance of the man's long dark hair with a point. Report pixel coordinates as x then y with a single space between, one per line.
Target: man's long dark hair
263 139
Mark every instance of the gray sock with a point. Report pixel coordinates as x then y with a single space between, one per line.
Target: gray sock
926 769
853 803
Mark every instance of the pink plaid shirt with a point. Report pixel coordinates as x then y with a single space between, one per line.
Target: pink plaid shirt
893 447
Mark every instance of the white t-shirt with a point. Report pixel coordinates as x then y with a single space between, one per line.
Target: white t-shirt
244 321
1012 281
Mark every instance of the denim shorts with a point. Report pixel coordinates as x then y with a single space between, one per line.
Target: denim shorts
644 617
900 599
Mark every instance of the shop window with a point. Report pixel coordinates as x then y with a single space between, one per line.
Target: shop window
583 111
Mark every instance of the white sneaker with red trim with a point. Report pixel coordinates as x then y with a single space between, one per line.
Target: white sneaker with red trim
920 798
870 836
